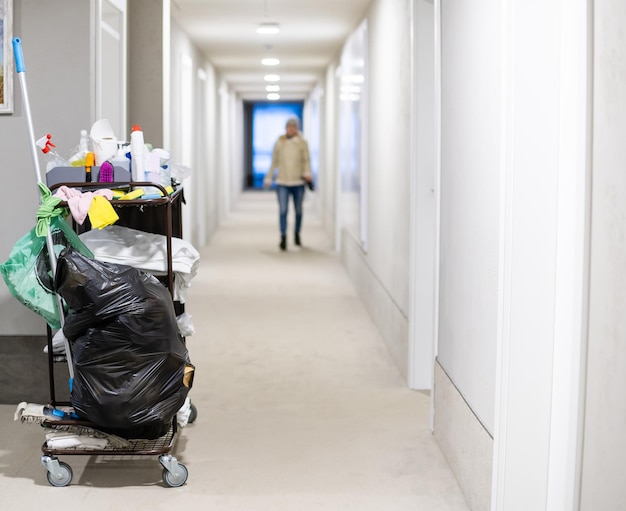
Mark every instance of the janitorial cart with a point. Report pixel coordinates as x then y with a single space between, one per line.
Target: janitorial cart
129 368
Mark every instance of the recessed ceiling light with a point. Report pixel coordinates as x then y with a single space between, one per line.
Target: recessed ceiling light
272 88
273 96
272 78
270 61
268 28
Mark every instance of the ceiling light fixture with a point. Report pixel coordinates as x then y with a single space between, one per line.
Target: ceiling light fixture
273 96
272 78
270 61
272 88
268 28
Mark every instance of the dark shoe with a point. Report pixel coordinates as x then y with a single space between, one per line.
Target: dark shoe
283 243
297 240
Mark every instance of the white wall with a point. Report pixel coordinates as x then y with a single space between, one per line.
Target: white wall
470 199
192 139
604 442
353 136
209 146
328 175
225 152
381 273
423 199
513 216
56 50
389 153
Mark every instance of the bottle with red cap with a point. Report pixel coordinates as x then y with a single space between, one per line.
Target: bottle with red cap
137 154
53 158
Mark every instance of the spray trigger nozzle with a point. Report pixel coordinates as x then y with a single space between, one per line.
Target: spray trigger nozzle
44 143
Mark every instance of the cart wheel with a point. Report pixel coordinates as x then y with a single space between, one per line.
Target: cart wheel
176 481
193 413
63 477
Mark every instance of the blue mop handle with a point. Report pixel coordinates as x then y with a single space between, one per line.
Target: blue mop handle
20 68
19 55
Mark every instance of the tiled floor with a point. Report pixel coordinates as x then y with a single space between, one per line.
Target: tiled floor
299 405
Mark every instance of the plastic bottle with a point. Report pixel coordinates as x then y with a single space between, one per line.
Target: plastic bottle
78 157
137 154
52 157
90 160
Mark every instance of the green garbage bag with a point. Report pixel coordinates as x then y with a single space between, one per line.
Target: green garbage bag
27 272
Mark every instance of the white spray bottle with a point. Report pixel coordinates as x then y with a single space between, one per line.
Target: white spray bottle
137 154
52 157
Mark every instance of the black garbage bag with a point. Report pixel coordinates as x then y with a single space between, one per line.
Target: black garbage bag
131 367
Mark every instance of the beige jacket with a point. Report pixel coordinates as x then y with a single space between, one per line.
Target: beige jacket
291 158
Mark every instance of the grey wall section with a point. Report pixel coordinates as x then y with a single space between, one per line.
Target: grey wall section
604 440
145 68
56 45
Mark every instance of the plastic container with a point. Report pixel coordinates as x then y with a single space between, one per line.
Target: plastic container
80 152
137 154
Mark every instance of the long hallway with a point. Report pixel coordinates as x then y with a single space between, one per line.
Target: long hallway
299 404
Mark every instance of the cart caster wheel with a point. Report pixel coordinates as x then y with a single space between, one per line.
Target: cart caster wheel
174 481
193 413
62 476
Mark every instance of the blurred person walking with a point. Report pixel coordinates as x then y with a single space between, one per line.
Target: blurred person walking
292 160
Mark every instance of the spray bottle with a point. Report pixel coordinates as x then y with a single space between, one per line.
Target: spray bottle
137 154
80 152
52 157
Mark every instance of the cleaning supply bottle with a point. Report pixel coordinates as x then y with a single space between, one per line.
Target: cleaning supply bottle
137 154
90 160
52 157
78 155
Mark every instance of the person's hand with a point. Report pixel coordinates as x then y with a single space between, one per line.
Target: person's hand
267 184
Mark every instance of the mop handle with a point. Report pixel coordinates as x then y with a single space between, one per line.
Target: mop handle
18 55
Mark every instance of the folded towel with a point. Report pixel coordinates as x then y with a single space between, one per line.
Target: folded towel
145 251
66 440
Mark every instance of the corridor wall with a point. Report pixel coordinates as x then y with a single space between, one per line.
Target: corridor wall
193 134
602 484
328 177
514 148
55 45
380 269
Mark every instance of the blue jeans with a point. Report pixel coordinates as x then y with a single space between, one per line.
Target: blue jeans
297 192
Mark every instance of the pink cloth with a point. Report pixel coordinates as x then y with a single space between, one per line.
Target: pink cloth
80 202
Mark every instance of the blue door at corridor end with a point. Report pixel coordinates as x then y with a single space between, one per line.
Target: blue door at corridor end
268 123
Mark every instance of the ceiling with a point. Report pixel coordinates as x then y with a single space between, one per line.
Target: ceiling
311 35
